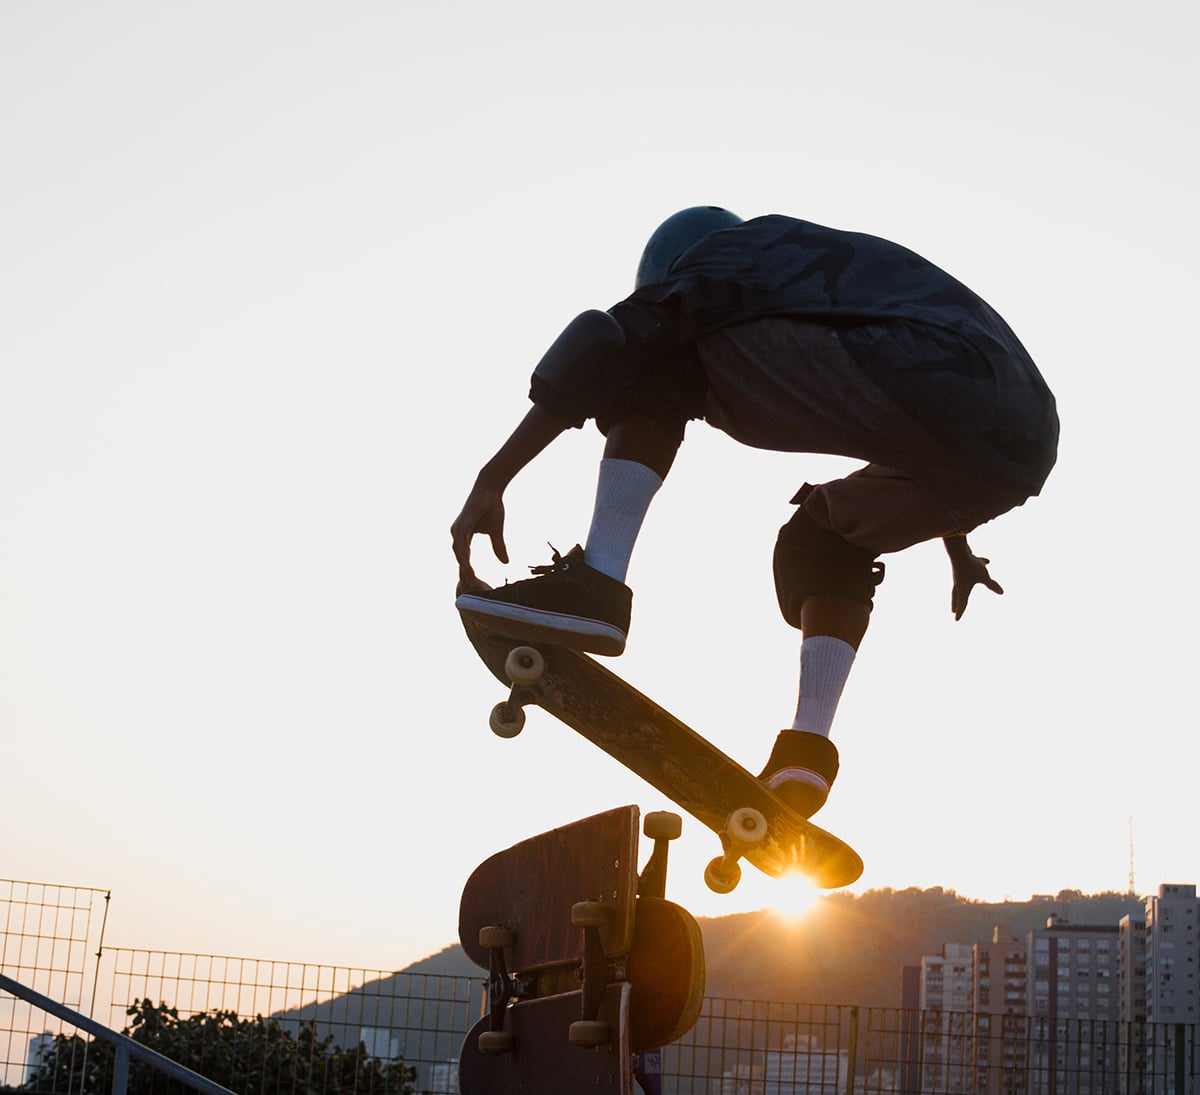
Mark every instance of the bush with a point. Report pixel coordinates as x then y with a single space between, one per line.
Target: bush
253 1056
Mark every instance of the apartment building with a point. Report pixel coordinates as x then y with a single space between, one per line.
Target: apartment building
1172 950
1131 968
947 979
999 974
1072 971
1049 999
999 1001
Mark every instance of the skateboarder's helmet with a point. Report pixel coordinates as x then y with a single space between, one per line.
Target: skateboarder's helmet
677 234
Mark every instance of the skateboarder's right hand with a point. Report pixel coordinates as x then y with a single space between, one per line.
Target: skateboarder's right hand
483 512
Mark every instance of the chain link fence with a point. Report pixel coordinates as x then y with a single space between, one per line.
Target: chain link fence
281 1028
50 937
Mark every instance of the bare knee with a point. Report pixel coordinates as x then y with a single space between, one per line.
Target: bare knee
646 440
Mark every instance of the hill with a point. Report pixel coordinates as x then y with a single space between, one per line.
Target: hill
851 949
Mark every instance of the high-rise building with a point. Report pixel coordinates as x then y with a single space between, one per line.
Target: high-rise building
999 1003
1172 950
998 967
1072 974
946 1029
1132 968
947 979
1072 971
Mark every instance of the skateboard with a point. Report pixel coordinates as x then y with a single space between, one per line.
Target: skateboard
566 914
647 739
540 1060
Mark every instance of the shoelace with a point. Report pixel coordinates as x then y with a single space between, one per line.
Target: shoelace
555 565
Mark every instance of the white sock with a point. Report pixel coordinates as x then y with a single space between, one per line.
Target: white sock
824 667
623 495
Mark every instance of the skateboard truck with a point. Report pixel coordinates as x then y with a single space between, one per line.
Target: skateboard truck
744 828
589 1030
594 972
662 827
524 668
501 988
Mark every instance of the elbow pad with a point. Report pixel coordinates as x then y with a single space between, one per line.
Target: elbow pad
584 358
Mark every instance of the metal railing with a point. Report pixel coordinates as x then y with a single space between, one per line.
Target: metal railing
125 1047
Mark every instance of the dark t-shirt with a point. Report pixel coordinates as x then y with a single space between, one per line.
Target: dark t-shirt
780 266
777 265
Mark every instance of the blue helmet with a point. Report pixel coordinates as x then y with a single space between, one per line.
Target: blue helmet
677 234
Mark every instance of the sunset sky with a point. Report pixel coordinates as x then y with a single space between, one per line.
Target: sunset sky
272 280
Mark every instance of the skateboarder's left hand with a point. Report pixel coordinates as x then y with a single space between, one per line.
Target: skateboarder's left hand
969 570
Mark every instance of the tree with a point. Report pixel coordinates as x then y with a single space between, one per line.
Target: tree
256 1056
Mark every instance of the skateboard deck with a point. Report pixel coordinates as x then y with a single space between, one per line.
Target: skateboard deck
530 888
517 920
669 755
542 1061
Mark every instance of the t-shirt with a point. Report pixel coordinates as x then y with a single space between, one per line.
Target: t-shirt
780 266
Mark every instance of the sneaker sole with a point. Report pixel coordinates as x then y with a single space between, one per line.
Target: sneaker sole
803 790
539 625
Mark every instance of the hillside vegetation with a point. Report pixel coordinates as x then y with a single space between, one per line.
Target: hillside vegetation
851 949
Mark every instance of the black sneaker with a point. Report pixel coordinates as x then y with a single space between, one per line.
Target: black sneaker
801 770
568 603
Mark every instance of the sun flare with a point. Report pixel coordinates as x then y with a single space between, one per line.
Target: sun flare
793 896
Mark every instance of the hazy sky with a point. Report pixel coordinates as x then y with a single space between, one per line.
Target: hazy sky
273 279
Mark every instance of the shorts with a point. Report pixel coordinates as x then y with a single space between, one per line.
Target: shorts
859 390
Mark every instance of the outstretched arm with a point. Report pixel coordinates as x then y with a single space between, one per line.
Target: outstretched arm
483 511
969 570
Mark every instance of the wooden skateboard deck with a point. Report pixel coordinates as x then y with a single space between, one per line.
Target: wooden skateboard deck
530 888
542 1060
669 755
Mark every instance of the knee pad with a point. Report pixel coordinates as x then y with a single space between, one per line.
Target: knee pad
810 559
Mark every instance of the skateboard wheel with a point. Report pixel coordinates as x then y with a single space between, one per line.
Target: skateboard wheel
662 825
495 937
506 723
590 914
722 877
524 665
496 1041
747 826
587 1032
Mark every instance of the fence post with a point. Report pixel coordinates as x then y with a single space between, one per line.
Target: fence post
853 1051
120 1071
1180 1060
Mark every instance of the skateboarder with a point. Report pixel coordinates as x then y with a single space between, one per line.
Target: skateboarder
798 338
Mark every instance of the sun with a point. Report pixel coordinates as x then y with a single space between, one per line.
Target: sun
793 896
789 897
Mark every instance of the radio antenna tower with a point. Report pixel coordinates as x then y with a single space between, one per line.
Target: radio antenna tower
1132 887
